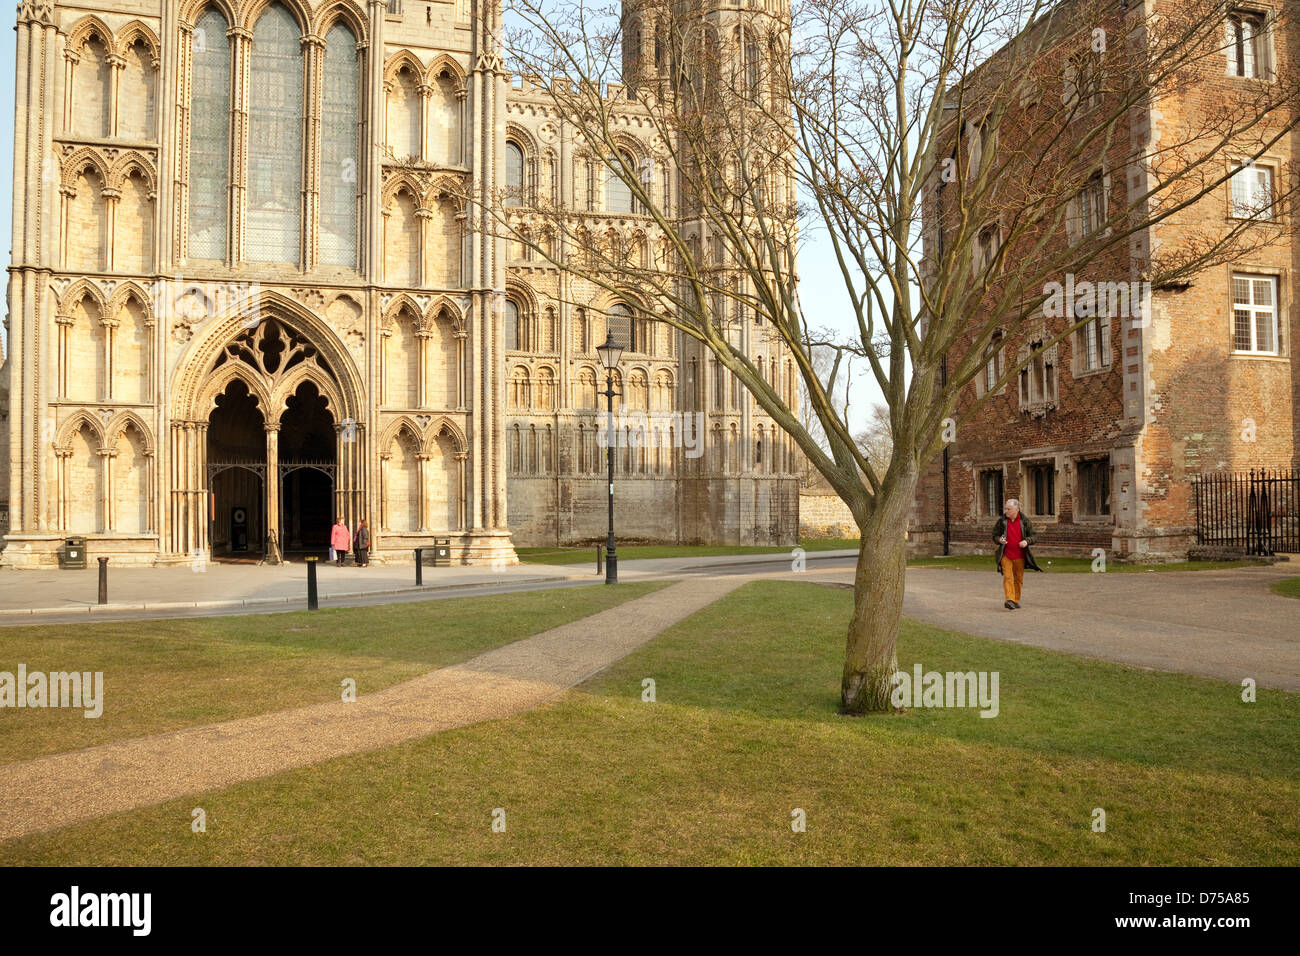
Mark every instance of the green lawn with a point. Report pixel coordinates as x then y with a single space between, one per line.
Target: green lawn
168 674
744 731
630 552
968 562
1287 587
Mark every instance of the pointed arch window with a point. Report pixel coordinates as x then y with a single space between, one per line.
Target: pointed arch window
209 137
339 149
275 111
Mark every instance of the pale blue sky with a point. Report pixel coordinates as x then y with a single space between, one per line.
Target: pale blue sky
8 18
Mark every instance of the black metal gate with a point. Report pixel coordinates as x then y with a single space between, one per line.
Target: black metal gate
1258 512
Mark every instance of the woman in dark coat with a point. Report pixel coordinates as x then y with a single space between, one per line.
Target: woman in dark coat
361 544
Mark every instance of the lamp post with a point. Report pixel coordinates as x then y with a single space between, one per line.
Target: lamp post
610 352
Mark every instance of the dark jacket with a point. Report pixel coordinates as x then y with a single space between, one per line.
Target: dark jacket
1027 530
362 538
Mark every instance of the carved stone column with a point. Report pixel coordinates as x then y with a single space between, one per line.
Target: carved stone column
314 54
273 486
241 42
116 65
108 509
422 337
423 484
64 324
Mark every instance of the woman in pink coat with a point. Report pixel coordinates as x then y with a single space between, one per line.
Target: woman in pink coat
340 540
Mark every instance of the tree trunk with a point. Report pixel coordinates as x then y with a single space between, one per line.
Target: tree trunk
871 658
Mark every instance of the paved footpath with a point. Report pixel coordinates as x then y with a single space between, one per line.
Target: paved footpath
57 595
63 789
1222 624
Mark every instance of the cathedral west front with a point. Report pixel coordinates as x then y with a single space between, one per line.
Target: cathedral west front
246 297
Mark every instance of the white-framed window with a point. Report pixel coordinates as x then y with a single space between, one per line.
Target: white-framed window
1252 192
1092 340
1255 325
1038 378
1247 44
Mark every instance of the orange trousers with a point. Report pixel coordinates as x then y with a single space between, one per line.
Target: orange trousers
1013 576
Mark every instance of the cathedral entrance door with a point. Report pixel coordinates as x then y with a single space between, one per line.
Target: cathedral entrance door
236 473
306 471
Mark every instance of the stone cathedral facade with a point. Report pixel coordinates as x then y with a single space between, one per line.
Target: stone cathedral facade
244 299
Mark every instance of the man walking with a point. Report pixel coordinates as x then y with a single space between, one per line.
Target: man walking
361 544
1014 534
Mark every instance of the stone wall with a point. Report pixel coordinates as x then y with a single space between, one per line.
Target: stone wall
823 514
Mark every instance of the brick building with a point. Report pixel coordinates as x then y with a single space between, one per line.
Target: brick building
1101 437
244 297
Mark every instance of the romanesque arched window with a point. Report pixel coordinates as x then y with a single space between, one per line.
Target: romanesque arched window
520 388
340 156
586 391
618 195
514 175
209 137
544 394
514 333
638 393
619 324
275 111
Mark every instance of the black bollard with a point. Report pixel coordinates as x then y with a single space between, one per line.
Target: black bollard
313 603
419 567
103 580
600 559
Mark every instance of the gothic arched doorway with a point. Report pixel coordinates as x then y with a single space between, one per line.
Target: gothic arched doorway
237 472
278 451
307 470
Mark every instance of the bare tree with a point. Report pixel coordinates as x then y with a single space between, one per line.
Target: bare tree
875 441
830 367
948 149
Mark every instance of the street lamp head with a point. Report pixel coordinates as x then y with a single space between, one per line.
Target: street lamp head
610 352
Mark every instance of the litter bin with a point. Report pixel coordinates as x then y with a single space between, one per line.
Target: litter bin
72 556
442 552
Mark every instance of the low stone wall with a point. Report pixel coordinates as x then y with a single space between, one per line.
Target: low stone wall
824 514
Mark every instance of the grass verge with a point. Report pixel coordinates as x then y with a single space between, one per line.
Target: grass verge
168 674
1287 587
743 733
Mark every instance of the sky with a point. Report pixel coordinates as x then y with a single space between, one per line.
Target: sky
8 37
822 289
